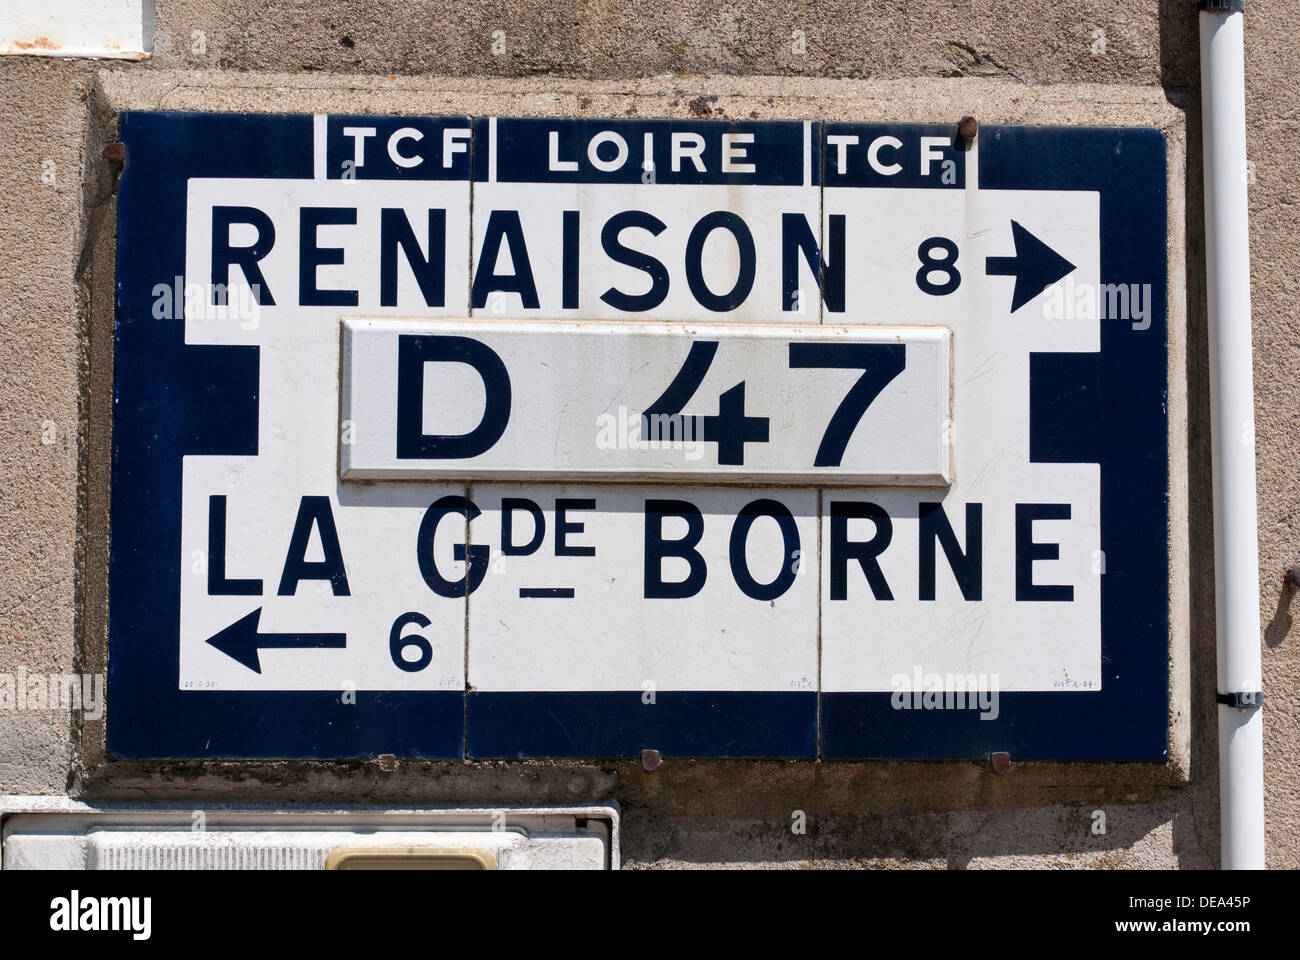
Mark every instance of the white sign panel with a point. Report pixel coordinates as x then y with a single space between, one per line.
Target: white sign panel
599 401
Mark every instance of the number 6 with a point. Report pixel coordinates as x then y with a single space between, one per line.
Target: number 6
397 643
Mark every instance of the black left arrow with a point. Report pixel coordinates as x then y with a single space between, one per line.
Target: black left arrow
241 641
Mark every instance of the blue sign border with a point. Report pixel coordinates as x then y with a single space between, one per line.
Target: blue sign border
172 400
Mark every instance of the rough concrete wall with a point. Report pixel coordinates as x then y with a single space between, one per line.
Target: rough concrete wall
55 242
1033 41
42 323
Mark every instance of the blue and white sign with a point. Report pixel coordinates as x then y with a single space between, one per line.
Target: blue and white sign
489 437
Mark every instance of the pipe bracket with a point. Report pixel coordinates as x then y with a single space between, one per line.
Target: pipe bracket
1242 701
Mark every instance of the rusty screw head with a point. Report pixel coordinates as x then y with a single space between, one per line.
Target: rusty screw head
1001 761
650 759
115 152
967 129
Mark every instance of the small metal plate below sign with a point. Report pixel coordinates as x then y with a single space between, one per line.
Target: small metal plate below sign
409 858
710 403
491 437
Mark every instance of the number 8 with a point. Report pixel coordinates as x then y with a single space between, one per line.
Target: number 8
931 264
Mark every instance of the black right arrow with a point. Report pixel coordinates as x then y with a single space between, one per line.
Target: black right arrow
1036 266
241 641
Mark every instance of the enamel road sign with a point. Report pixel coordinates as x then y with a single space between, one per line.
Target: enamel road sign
489 437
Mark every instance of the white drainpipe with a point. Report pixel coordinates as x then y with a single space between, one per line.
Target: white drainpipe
1232 408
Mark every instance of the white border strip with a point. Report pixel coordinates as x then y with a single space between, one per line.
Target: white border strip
318 145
